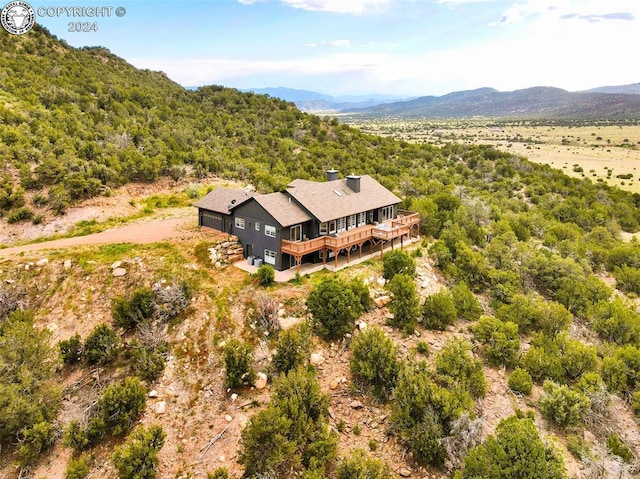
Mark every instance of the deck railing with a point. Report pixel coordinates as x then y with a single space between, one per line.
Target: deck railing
384 231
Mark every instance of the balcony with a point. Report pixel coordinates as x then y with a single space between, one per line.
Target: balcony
377 234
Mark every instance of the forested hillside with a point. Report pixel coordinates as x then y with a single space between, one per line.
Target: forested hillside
535 284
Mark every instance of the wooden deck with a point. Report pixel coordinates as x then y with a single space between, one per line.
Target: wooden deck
356 237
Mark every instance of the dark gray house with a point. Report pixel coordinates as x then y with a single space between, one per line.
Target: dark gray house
309 221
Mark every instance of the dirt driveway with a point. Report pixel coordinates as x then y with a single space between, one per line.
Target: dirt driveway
144 232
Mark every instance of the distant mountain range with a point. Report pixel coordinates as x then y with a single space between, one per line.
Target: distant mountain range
537 102
616 102
314 102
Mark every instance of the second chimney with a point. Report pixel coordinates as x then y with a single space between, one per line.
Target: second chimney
332 175
353 182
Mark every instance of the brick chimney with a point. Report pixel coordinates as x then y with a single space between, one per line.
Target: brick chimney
353 182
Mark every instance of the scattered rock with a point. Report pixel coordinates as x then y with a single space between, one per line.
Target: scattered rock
228 418
116 265
118 272
66 264
589 437
335 383
381 281
42 262
356 404
161 407
153 394
234 397
261 381
382 301
405 472
317 359
362 325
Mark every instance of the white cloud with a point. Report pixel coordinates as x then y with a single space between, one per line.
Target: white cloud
248 2
355 7
589 10
562 47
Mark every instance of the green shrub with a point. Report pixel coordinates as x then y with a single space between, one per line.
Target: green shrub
618 447
335 321
425 441
542 364
516 450
361 292
294 426
397 262
563 405
79 438
423 348
238 360
71 349
121 403
359 465
438 310
627 279
102 345
219 473
621 371
520 381
578 447
374 361
266 275
616 321
77 468
292 349
147 362
137 458
466 304
21 214
501 340
406 304
577 358
35 440
455 366
27 363
422 411
129 312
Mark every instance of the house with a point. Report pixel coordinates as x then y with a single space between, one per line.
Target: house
309 221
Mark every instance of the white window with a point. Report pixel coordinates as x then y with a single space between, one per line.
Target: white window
257 226
269 257
351 221
342 224
324 228
387 213
239 222
362 218
295 233
270 230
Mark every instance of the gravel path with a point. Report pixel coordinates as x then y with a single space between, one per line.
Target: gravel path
141 233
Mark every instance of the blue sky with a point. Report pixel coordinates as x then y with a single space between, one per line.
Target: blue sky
401 47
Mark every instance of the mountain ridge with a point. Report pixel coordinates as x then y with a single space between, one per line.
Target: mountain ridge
534 102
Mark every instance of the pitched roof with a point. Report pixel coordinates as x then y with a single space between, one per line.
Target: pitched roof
280 206
220 199
334 199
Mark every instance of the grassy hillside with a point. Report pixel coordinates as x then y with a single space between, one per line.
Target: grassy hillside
508 346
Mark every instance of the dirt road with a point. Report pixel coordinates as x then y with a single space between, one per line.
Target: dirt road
144 232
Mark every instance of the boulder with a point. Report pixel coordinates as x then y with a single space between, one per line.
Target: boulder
316 359
382 301
161 407
118 272
261 381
